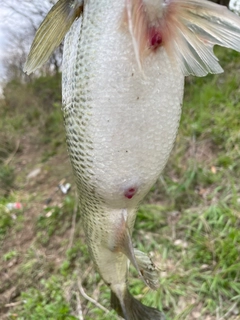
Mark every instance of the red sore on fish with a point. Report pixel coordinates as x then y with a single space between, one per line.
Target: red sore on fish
155 38
129 193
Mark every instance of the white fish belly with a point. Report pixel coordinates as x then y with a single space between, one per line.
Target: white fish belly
127 118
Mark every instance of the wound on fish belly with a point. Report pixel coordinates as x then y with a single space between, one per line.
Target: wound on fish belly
155 38
146 26
129 193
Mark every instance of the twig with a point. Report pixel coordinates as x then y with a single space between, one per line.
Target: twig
9 159
83 293
79 308
96 291
86 273
13 304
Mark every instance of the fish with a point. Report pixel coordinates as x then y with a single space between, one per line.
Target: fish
124 65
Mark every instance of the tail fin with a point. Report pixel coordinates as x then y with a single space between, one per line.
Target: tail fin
132 309
52 31
188 29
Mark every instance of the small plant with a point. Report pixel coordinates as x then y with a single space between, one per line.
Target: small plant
5 220
10 255
7 178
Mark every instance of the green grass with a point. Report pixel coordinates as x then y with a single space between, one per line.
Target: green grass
55 219
189 222
203 264
46 302
8 218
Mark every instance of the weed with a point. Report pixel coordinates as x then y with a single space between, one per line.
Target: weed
7 178
10 255
5 220
45 302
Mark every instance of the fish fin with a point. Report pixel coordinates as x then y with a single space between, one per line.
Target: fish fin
122 242
52 31
118 305
137 25
131 309
193 27
187 29
147 268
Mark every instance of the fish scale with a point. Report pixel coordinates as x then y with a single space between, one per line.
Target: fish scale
124 65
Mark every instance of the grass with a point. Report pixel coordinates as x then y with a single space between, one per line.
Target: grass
50 221
189 222
8 218
46 302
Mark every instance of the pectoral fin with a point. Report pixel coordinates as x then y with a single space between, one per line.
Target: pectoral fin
52 31
187 29
194 27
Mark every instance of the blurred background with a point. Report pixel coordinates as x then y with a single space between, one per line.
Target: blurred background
189 222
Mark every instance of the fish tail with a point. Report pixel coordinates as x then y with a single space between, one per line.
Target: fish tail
187 29
131 309
52 31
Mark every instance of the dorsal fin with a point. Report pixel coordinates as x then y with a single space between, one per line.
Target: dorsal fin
188 30
52 31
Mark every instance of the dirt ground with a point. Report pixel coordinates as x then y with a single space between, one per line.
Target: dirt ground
36 187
